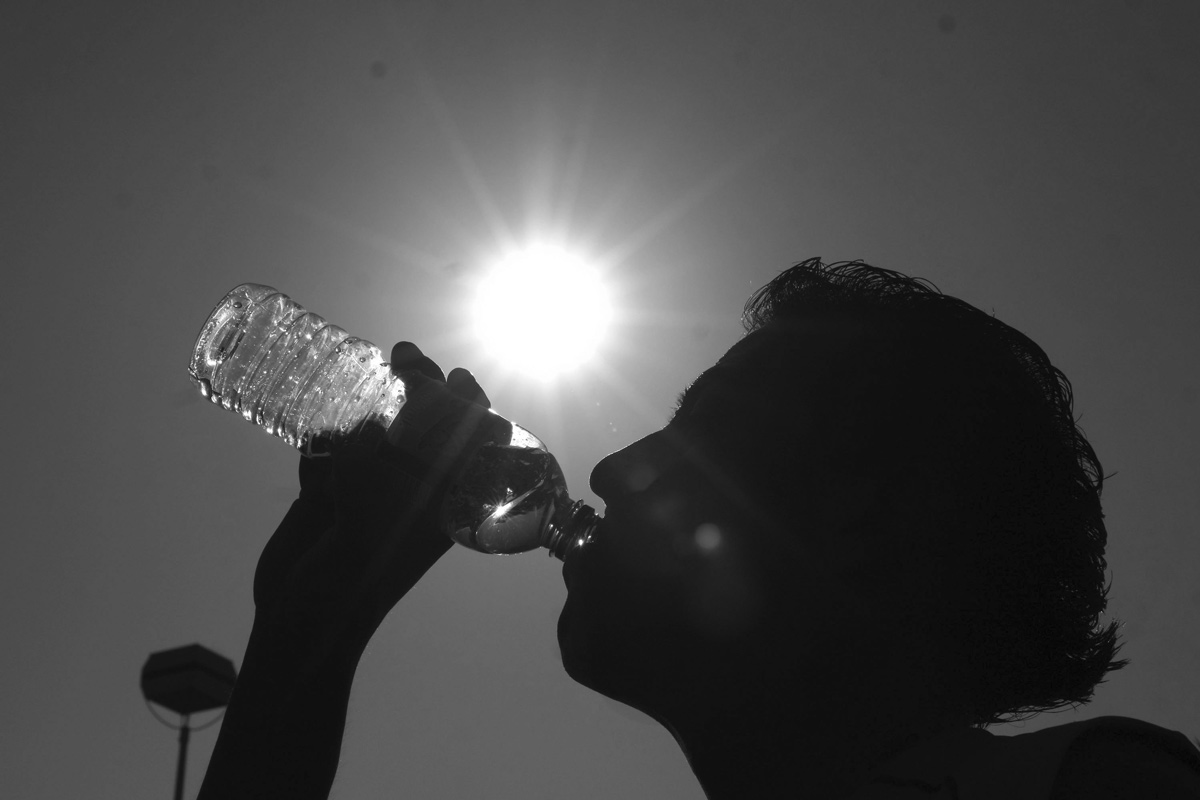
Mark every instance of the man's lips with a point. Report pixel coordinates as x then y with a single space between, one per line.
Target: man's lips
576 556
570 569
566 574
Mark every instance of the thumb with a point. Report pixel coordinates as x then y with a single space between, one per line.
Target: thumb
464 385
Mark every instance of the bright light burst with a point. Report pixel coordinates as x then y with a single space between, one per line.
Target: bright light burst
541 311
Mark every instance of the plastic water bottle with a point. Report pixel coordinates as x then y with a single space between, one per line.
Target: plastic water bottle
285 369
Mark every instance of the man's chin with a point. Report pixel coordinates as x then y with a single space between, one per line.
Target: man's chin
572 647
588 661
585 657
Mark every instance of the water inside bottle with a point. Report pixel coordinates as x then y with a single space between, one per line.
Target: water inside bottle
506 499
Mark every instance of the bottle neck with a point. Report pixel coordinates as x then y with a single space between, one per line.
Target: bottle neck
571 530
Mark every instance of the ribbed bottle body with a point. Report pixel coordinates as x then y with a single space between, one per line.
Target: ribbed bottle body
260 354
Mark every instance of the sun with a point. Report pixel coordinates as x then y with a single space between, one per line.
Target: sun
541 311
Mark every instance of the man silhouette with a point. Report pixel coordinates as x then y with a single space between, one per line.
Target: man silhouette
871 529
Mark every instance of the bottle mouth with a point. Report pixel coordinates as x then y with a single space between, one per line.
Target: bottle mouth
571 535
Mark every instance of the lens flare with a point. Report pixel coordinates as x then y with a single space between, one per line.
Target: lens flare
708 537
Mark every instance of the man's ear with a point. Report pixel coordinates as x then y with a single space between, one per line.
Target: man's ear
883 540
853 507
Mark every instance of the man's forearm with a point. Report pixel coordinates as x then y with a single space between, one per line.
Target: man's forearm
282 732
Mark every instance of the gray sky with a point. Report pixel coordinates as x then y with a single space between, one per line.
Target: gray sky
1033 158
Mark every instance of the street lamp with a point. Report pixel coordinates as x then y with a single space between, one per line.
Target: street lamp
186 680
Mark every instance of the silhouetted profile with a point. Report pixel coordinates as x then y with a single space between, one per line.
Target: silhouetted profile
870 530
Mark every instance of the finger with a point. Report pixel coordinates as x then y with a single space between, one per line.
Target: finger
407 356
463 384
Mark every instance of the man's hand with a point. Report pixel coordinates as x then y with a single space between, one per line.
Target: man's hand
362 533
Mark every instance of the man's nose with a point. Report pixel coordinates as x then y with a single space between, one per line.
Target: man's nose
631 470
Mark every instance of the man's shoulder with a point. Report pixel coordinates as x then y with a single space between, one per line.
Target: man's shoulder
1114 758
1104 758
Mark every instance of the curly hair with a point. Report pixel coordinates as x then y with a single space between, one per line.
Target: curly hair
1023 481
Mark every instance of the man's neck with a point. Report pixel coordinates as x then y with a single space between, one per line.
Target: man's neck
820 745
812 760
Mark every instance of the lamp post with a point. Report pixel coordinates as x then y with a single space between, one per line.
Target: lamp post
186 680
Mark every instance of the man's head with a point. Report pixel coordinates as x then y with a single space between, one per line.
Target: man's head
874 463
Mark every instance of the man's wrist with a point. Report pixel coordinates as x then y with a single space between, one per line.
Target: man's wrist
287 655
282 732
